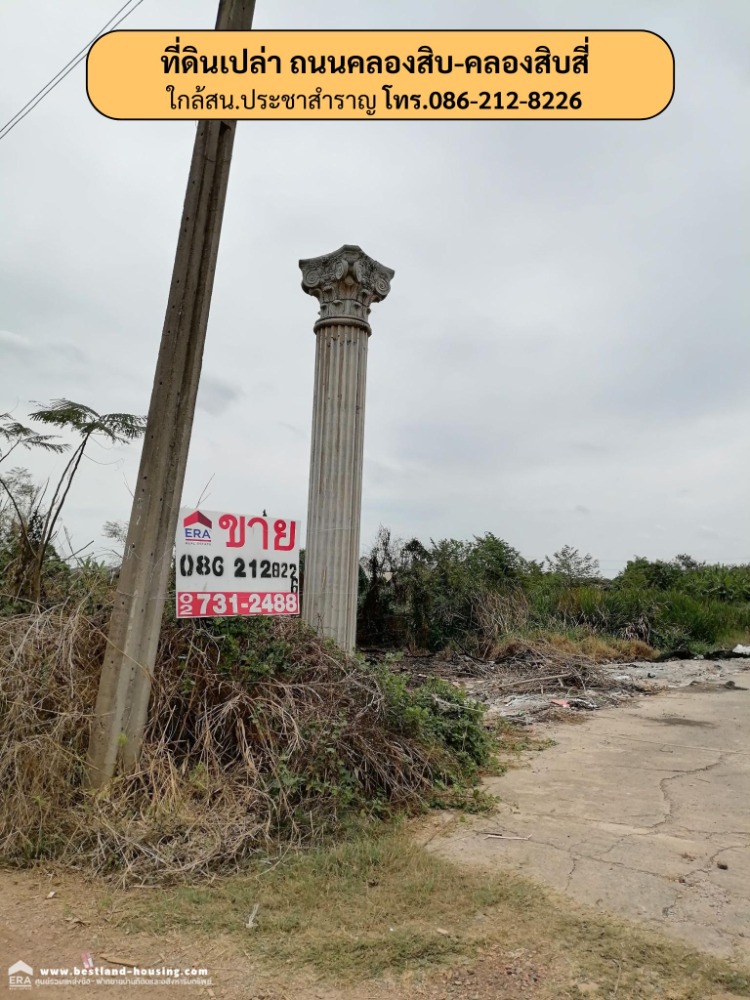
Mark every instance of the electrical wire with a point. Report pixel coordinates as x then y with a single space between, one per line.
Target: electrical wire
67 68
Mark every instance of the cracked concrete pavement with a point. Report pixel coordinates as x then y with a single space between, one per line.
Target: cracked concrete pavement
642 811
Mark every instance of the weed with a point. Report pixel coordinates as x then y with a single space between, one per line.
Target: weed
379 904
259 733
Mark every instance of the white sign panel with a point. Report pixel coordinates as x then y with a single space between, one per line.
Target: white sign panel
236 564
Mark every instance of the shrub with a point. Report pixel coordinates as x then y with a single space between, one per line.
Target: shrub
437 712
259 731
471 596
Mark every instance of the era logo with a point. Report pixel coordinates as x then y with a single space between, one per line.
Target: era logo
19 976
197 527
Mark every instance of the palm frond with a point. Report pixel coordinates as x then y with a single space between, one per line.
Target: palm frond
118 427
65 413
121 426
26 437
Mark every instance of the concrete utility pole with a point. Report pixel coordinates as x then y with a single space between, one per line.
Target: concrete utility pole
125 685
346 283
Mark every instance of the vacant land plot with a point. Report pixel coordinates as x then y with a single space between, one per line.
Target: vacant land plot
642 812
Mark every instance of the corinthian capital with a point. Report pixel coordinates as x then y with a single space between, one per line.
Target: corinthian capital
346 283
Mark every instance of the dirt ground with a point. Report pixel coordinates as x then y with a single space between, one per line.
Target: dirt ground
640 812
36 929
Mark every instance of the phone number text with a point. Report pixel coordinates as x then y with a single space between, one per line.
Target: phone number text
385 100
266 569
192 604
499 100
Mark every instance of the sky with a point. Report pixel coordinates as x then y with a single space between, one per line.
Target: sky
563 357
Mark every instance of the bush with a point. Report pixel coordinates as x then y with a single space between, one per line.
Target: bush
680 620
471 596
436 712
259 731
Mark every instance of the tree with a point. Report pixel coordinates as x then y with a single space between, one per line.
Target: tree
686 563
117 531
495 564
38 521
574 567
376 592
14 435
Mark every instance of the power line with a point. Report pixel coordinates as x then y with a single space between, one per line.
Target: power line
67 68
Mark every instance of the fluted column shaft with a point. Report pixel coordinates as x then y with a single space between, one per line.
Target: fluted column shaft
335 497
345 282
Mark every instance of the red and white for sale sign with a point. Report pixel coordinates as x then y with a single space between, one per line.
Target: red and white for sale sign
235 564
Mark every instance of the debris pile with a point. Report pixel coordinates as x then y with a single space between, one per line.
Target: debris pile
537 681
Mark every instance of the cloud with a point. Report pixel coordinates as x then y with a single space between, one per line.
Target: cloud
297 431
14 342
705 532
216 395
566 330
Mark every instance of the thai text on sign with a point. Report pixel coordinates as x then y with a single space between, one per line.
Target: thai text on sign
381 75
236 564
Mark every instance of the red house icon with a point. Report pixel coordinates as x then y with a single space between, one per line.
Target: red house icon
197 518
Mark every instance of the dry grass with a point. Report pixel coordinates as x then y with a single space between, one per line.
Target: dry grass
603 649
229 765
585 648
48 681
504 620
380 904
538 664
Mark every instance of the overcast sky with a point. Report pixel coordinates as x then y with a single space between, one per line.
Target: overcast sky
564 355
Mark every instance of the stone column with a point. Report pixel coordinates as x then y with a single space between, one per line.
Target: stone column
345 283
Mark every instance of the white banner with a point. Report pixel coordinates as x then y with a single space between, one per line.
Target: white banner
236 564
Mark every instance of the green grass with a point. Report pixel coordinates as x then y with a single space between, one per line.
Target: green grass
373 904
380 904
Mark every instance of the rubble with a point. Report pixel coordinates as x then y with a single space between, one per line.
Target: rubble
534 682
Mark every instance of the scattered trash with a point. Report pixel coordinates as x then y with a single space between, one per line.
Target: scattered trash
519 700
536 683
50 894
251 919
502 836
442 930
122 963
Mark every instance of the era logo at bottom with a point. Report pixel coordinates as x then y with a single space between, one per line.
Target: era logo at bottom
19 976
